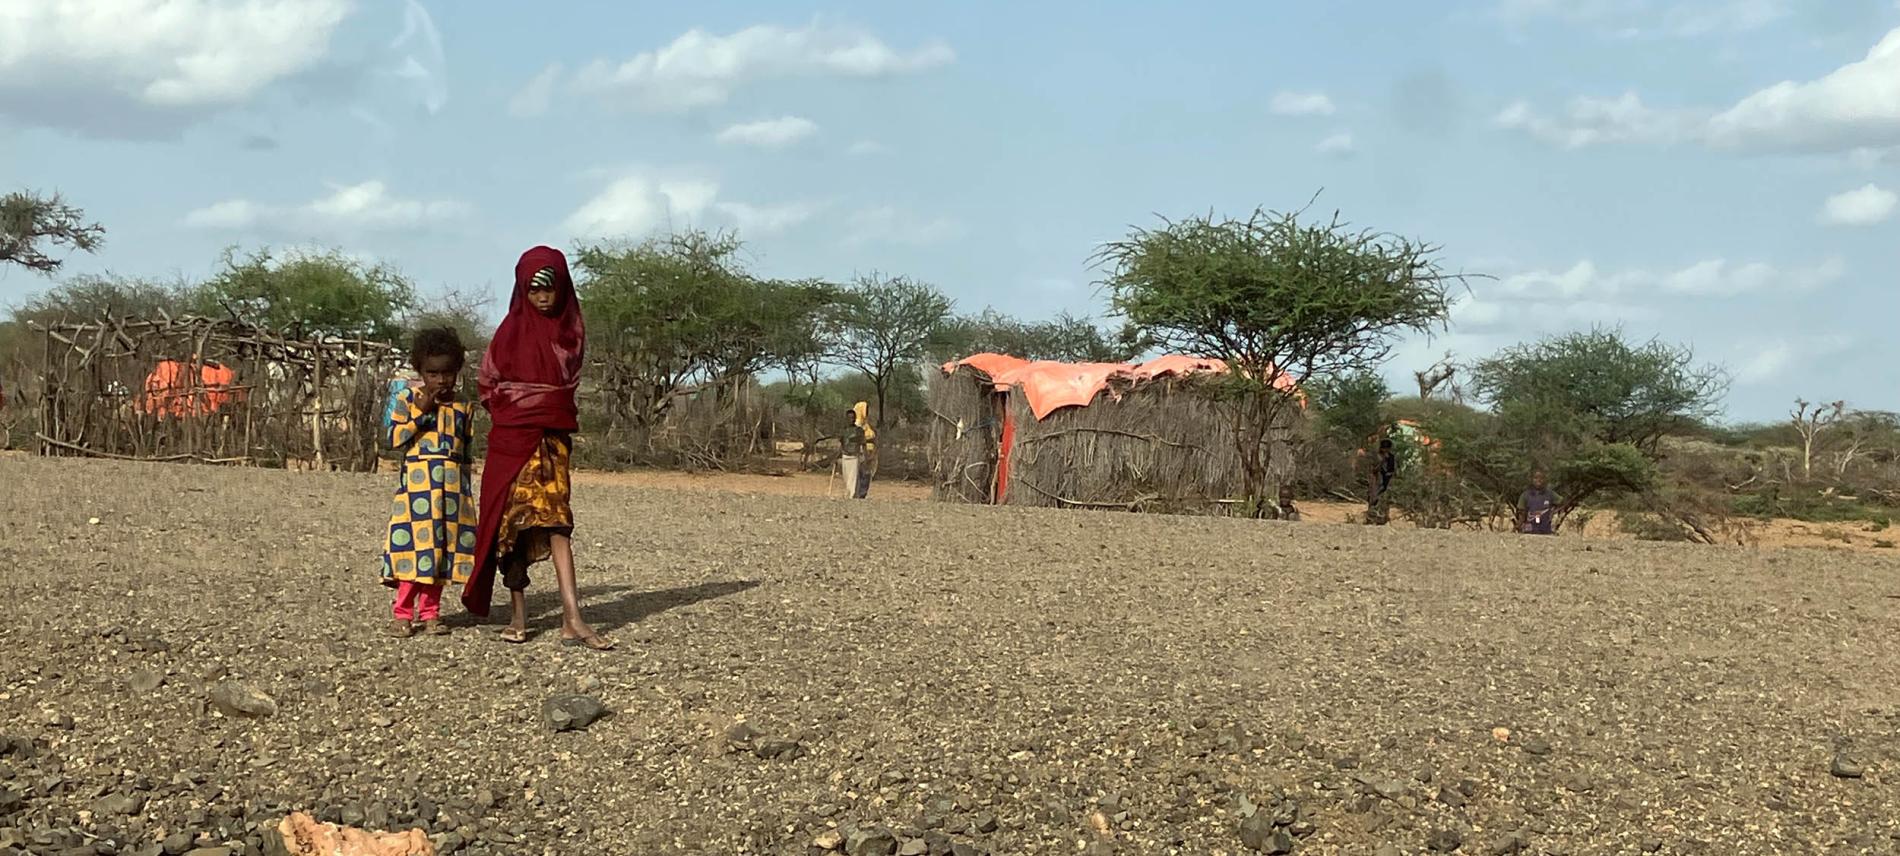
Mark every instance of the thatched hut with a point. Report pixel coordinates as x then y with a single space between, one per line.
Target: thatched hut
1090 435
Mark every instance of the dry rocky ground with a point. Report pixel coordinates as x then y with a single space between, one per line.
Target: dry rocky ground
800 674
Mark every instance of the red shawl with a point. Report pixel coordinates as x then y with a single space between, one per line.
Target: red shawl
528 380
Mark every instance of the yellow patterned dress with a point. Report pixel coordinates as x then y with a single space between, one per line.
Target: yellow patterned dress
538 507
432 518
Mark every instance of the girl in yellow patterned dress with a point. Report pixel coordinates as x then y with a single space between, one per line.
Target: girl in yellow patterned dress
432 522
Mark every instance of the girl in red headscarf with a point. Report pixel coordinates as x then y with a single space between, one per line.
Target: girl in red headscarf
528 381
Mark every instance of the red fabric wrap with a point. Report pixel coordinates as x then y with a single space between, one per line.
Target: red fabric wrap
528 381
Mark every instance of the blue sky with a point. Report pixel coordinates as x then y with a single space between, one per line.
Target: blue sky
1717 172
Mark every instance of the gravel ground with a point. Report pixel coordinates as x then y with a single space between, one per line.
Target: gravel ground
797 675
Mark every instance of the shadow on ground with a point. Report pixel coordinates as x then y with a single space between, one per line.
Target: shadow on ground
611 608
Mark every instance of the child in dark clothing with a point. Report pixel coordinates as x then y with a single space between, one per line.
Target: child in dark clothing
1538 506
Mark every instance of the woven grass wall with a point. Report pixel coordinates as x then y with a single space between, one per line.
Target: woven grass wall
963 436
1164 445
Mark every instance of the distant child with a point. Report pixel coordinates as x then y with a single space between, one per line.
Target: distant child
1385 467
1538 506
432 522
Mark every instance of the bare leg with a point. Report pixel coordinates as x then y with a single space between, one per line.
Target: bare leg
518 605
572 627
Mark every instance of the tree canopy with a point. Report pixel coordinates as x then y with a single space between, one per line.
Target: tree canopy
885 325
1279 299
1588 408
311 293
1064 338
679 310
30 224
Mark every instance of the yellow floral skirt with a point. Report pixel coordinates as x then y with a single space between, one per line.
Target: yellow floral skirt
538 508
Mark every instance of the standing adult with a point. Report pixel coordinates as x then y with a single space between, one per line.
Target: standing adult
528 380
860 451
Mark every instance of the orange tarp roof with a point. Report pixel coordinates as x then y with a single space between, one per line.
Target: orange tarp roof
1051 386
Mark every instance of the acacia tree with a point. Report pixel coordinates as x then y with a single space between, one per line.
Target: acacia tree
323 293
29 222
679 313
885 325
1590 408
1281 300
1811 421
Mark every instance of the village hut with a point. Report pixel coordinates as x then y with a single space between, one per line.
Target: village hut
1150 436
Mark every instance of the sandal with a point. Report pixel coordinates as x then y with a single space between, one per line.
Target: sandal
435 627
592 642
514 636
400 629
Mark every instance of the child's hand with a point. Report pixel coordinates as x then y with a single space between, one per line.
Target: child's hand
426 398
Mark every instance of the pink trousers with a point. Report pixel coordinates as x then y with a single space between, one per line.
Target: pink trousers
418 602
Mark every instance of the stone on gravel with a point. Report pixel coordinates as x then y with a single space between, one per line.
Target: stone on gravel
242 700
302 835
1259 833
1537 746
829 840
145 681
211 851
1845 767
572 712
1445 840
118 805
874 841
914 847
1506 846
177 843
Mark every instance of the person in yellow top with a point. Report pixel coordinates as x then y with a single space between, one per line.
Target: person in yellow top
431 539
860 452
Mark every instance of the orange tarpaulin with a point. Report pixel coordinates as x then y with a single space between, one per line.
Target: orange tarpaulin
1051 386
169 393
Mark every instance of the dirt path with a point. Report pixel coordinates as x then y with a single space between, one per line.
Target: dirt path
1005 681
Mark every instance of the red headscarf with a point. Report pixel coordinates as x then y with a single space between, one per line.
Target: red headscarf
533 367
528 381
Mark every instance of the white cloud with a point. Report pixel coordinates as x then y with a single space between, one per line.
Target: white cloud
699 69
1854 106
1302 104
1865 206
637 205
423 65
1337 145
229 214
154 55
1766 364
767 220
769 133
1584 281
1591 121
1851 110
368 205
888 225
534 99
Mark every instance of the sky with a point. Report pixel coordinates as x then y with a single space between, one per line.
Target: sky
1718 173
